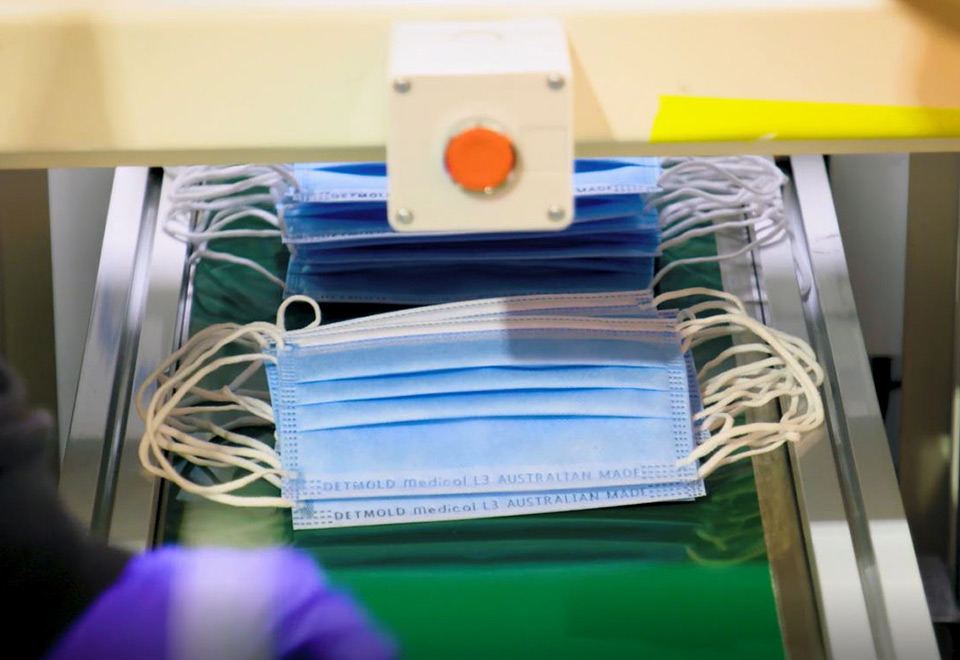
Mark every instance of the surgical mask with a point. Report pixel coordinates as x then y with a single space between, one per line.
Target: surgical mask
644 395
507 371
343 249
319 514
344 205
177 415
789 373
578 381
211 202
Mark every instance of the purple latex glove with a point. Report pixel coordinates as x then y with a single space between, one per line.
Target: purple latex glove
177 604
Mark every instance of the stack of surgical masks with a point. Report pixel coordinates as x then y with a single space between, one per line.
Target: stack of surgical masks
334 221
476 409
489 407
492 408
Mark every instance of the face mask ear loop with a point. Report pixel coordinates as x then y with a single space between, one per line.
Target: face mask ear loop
158 413
282 312
728 354
717 227
163 438
201 237
174 435
752 391
726 455
199 456
698 292
750 383
235 387
689 205
188 352
696 203
164 441
165 418
749 247
737 402
202 191
189 447
758 366
185 370
753 201
205 253
246 447
785 371
216 228
800 352
712 306
184 418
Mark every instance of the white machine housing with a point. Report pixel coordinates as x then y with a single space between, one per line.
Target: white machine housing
511 76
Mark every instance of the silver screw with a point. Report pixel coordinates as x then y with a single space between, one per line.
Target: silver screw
555 81
401 85
404 216
556 213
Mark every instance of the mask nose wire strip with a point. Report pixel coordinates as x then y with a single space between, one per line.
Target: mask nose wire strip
786 371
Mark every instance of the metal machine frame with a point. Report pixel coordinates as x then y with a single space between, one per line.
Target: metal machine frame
120 82
94 82
845 575
930 427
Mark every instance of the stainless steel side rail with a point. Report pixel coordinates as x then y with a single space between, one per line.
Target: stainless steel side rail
872 524
133 326
821 562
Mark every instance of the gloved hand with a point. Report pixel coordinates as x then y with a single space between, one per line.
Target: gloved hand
180 604
48 566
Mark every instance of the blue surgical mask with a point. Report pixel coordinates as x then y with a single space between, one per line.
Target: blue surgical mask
318 514
518 249
409 439
439 283
478 408
639 225
366 223
343 248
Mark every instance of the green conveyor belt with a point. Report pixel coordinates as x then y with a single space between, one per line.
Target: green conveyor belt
677 580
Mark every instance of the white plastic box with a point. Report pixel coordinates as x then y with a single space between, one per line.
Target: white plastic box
512 77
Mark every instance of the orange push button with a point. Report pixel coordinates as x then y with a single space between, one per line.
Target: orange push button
479 159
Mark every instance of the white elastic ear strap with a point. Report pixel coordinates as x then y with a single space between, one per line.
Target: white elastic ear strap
703 196
783 368
177 418
179 415
205 201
